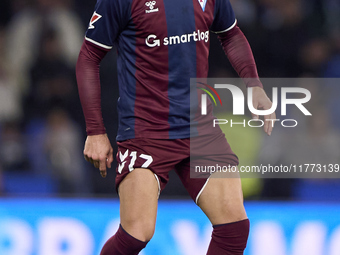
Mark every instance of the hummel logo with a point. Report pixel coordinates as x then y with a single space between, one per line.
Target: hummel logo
151 5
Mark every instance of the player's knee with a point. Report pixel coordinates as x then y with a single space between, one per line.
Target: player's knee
140 229
147 230
227 214
148 233
238 214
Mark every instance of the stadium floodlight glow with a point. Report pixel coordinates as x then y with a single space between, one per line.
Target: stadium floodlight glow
238 100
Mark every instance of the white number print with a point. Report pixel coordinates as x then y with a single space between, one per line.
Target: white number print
133 155
148 161
133 160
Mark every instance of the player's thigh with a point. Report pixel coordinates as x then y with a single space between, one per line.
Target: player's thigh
138 194
222 200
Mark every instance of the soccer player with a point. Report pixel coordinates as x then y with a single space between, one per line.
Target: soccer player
161 45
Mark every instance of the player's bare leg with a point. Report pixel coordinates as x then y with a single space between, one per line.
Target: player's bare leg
138 194
222 202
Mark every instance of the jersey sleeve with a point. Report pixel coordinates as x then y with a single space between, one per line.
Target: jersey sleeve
107 22
224 17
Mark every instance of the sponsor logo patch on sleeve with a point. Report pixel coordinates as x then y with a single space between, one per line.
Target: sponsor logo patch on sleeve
94 19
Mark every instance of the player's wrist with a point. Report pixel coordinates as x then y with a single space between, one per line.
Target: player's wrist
253 83
96 131
98 135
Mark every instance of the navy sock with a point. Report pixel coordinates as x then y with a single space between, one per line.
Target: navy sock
122 244
229 239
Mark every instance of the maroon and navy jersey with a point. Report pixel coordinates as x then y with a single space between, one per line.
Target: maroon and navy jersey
161 45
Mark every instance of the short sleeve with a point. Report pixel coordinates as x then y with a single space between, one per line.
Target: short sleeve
107 22
224 17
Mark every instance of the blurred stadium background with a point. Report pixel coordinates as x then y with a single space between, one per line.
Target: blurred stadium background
54 203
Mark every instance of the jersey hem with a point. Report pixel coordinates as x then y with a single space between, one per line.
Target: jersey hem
229 28
98 44
121 138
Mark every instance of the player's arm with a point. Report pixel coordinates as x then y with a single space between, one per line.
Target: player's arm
239 53
98 149
107 22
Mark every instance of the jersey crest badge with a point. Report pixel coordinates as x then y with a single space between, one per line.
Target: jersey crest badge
202 3
151 6
94 19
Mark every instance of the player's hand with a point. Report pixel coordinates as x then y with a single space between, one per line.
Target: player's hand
261 101
98 151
